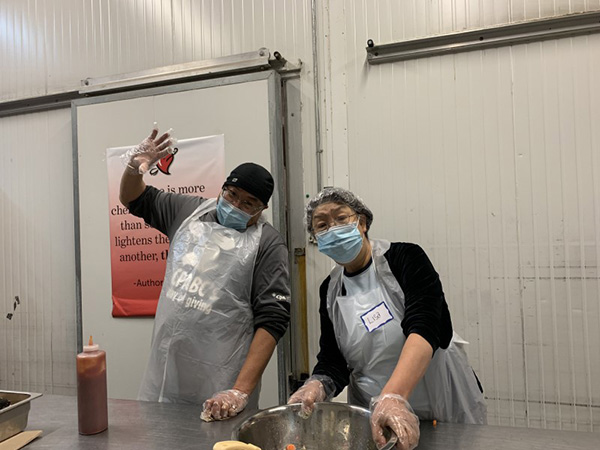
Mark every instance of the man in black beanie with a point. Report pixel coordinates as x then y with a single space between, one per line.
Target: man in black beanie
224 303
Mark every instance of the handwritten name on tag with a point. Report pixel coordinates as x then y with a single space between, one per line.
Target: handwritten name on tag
376 317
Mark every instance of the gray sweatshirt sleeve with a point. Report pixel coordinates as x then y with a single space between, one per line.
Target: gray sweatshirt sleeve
162 210
271 284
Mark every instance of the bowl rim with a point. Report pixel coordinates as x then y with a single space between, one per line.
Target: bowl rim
293 406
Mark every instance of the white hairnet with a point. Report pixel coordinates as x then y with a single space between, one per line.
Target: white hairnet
341 197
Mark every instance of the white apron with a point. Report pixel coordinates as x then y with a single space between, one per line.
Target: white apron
448 391
204 323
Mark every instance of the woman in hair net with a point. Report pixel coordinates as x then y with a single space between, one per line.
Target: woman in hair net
386 331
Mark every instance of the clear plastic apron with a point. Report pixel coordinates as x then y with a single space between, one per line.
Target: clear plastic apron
448 391
204 323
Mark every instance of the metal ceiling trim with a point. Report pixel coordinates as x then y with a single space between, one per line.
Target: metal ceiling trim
483 38
243 63
37 104
234 64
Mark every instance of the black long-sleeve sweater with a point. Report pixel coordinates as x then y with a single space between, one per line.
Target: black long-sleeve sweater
426 311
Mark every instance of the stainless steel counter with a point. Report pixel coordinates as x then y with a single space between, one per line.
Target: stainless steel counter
141 425
131 425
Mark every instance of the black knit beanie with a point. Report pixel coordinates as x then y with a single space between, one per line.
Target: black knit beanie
252 178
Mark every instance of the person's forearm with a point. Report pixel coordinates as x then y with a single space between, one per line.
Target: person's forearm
412 365
260 352
132 186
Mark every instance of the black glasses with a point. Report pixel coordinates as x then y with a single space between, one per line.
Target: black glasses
322 225
245 205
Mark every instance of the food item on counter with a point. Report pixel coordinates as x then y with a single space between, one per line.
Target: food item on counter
290 447
234 445
4 403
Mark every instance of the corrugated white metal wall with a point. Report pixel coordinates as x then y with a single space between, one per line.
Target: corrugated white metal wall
488 160
495 176
347 25
48 47
37 260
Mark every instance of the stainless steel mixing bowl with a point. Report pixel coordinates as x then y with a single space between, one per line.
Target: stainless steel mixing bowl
332 426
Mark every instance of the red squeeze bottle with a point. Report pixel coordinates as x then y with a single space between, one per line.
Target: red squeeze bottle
92 406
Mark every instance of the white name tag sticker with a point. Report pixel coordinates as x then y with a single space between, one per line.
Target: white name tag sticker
376 317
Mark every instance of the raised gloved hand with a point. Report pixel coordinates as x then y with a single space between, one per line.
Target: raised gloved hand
317 388
142 157
394 412
224 405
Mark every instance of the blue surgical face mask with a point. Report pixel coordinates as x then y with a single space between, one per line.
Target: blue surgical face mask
231 217
341 243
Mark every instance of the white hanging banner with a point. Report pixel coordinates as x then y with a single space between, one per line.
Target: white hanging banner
139 252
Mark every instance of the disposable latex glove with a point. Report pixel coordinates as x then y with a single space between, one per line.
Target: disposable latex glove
224 405
148 152
394 412
312 391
